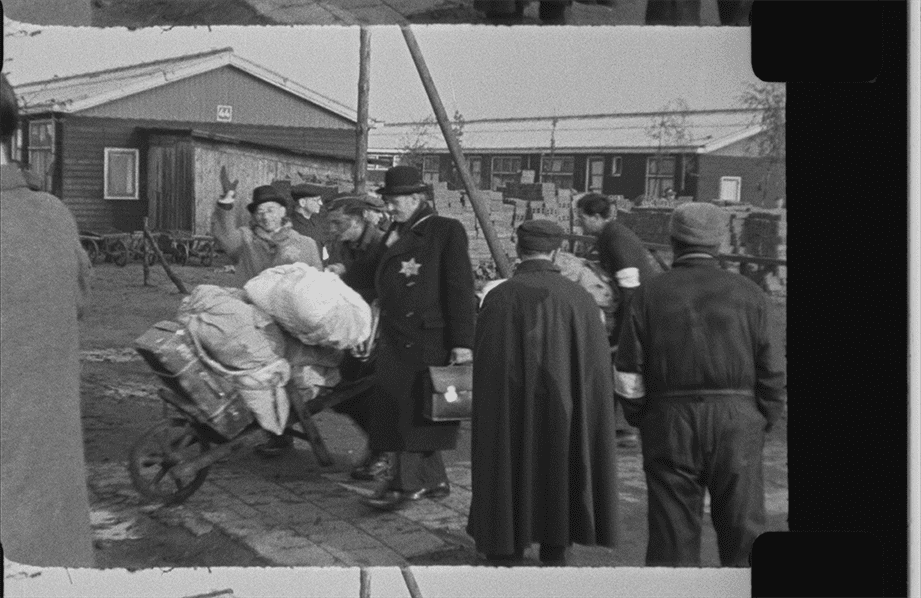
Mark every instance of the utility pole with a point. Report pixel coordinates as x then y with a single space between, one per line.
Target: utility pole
479 204
361 132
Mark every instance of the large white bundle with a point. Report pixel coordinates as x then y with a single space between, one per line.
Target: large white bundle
592 280
235 333
316 307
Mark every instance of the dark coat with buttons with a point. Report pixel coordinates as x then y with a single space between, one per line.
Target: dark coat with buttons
424 285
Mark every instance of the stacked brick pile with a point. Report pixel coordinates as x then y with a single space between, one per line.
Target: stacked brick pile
761 233
455 204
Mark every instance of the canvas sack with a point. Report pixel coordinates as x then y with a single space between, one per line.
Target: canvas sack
235 333
316 307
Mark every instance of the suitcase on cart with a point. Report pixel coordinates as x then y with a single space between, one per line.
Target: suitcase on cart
198 393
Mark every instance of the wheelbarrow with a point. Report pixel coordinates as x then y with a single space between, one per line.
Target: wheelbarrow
171 460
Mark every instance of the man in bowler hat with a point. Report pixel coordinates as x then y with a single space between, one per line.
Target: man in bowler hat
425 291
701 372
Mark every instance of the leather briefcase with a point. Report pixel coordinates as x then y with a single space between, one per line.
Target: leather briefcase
452 393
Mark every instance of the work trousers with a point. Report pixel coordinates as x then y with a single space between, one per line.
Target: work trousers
413 471
689 446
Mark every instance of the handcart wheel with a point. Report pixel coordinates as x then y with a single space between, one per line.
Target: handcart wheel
160 449
207 257
119 251
181 254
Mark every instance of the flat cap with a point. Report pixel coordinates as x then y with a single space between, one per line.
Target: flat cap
699 223
311 190
367 201
540 235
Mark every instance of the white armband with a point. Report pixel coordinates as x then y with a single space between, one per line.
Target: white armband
628 278
629 386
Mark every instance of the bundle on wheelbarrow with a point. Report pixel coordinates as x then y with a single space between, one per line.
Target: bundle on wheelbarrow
217 413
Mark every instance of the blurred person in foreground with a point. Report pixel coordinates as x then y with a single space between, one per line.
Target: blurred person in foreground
355 253
628 264
269 240
543 450
45 516
701 371
424 284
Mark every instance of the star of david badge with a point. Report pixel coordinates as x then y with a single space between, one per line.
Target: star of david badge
410 268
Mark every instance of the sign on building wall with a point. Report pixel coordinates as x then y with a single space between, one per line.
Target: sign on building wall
224 114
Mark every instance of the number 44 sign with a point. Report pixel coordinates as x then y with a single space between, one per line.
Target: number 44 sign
224 114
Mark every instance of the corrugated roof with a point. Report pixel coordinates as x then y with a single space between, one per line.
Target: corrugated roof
78 92
211 136
707 130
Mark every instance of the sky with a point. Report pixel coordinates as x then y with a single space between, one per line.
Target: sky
484 72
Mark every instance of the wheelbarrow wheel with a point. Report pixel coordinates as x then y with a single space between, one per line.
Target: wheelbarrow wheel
157 452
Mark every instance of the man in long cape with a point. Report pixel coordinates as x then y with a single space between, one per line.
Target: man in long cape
544 448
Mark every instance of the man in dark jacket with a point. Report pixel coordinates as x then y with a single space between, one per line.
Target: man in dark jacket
701 371
307 215
355 253
543 450
628 264
425 290
44 504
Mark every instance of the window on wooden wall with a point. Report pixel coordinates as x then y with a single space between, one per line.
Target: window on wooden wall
731 188
41 151
505 169
660 175
121 173
431 166
616 166
559 170
379 162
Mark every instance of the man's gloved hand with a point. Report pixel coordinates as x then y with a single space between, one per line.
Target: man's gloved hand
229 187
460 355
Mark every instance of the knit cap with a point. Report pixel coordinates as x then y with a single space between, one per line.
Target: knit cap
698 224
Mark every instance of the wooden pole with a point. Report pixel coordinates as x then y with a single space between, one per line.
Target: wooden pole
361 132
169 271
476 200
144 257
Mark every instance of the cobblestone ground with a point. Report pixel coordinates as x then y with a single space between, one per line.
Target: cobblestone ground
292 511
144 13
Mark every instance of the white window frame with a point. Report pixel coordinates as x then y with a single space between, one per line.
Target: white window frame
617 166
657 183
105 175
504 175
378 157
588 173
738 181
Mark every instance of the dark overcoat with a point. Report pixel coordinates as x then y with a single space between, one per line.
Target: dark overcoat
543 449
44 504
424 285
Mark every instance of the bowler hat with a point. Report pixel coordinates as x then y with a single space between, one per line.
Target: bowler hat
402 180
265 194
698 224
540 235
